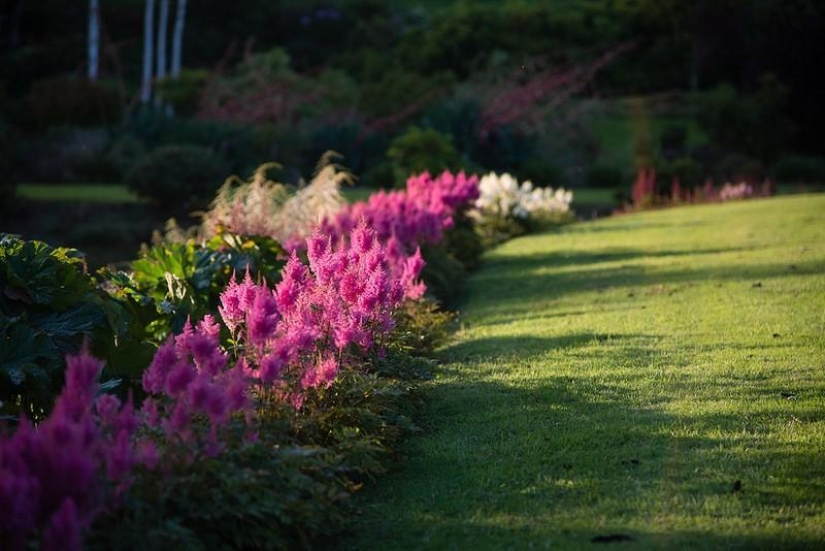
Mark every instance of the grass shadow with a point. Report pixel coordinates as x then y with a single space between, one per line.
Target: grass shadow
554 461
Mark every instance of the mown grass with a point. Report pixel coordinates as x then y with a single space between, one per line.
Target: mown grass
90 193
119 193
657 378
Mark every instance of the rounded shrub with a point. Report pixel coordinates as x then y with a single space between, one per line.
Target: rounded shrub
422 149
178 176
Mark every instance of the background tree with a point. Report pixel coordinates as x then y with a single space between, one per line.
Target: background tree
177 39
94 38
146 83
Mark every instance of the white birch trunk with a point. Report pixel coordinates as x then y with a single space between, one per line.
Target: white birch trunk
177 39
148 19
163 23
94 38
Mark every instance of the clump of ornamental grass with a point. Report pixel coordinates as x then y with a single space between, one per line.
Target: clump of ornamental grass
260 206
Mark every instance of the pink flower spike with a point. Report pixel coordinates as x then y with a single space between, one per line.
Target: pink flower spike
63 532
271 367
209 327
154 378
148 454
180 378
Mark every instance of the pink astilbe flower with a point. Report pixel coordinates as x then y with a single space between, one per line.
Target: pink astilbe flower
235 300
63 531
403 221
262 318
191 380
413 287
52 478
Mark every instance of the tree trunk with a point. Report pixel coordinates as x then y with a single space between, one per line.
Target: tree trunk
94 38
148 19
160 68
163 23
177 39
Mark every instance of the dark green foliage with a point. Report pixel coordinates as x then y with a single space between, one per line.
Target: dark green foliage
48 307
124 151
422 149
463 242
443 274
604 176
673 139
72 101
255 497
8 159
493 230
380 176
753 124
172 282
541 172
421 327
736 167
797 168
178 178
183 93
685 169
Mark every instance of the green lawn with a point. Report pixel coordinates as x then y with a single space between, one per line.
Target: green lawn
119 193
92 193
658 376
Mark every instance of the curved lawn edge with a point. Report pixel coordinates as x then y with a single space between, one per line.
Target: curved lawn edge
656 376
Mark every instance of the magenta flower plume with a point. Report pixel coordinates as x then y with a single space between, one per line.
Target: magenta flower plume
52 477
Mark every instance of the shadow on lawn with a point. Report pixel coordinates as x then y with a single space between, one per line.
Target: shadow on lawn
516 286
490 348
555 461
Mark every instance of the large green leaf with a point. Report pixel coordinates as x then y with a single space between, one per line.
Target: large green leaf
65 327
24 353
32 272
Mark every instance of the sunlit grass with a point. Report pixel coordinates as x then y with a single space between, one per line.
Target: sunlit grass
91 193
657 376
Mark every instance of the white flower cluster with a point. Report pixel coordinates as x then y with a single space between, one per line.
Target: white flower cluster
503 196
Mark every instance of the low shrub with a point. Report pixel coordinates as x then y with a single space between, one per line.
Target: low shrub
178 177
422 149
799 169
